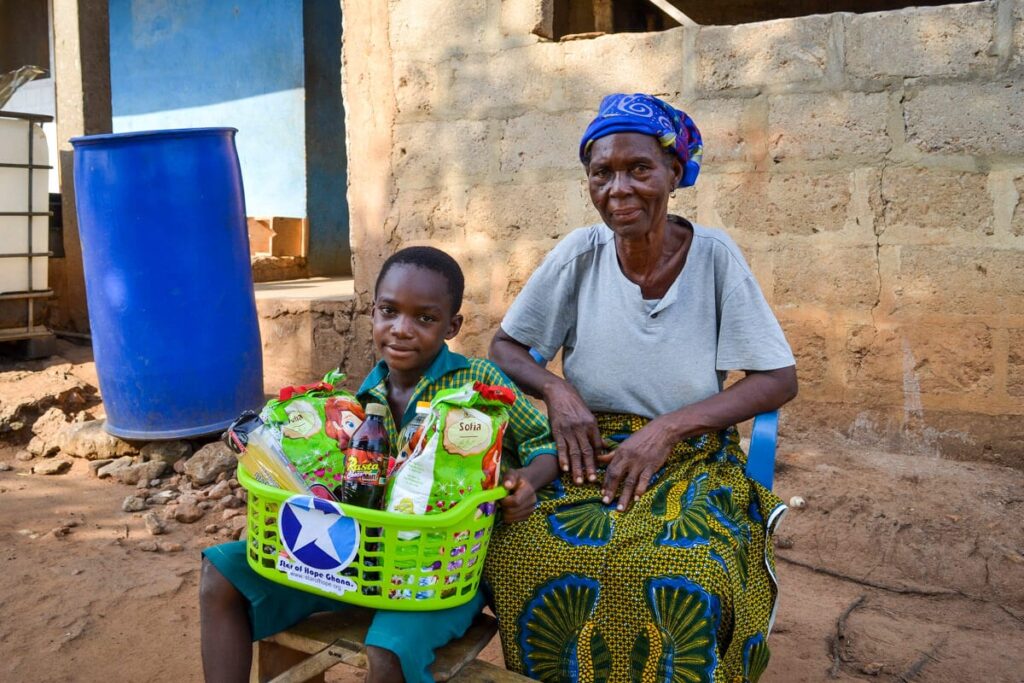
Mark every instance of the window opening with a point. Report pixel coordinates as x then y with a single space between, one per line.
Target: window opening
588 18
24 35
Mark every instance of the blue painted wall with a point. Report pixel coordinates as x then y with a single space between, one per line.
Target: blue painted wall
326 163
191 63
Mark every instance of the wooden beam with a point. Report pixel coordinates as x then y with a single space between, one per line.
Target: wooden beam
604 18
674 12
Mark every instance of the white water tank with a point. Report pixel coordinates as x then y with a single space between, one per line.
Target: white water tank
24 204
24 232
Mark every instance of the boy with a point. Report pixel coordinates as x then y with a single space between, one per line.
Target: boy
416 309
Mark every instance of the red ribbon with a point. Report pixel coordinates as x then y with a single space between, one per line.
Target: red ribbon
495 393
289 392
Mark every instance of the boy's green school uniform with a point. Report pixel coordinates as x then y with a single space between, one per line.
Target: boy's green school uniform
412 636
528 434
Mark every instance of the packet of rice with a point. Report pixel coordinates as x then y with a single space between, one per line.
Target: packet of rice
459 453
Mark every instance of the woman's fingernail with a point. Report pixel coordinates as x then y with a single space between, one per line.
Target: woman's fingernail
579 480
592 477
621 508
606 500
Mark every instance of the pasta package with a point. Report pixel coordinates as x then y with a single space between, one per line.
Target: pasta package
259 452
314 425
458 453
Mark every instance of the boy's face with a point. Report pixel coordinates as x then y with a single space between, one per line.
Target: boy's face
412 317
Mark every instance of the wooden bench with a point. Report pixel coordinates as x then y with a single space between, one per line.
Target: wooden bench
305 651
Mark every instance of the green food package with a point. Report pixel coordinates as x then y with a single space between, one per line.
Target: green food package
459 453
314 424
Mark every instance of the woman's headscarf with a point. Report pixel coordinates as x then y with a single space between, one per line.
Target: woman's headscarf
646 114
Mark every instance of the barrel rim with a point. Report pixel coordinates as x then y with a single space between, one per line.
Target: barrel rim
167 133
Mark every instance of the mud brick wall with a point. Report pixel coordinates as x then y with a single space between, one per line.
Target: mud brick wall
870 167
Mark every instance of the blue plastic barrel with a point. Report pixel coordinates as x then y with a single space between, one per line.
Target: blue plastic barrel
161 217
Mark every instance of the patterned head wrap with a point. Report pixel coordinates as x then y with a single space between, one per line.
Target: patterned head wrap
646 114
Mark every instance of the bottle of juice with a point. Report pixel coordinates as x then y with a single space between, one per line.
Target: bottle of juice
410 437
366 461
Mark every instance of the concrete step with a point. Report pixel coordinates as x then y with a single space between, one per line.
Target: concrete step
307 327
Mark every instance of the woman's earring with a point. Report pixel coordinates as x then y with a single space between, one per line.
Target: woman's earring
673 195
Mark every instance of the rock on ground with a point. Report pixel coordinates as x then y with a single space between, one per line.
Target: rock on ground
162 498
41 447
219 491
26 394
188 512
127 471
228 502
209 462
154 525
142 473
96 465
46 431
133 504
169 452
53 466
90 440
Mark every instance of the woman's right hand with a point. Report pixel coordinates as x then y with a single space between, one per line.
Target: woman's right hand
575 430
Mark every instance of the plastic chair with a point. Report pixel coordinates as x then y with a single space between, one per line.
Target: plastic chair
761 454
763 437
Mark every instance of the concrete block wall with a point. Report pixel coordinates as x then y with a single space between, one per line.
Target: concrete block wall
870 166
304 337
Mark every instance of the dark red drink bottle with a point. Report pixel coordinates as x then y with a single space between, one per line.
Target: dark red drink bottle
366 461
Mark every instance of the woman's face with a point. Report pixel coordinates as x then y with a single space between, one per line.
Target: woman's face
631 179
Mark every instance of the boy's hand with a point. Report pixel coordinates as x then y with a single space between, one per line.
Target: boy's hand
521 499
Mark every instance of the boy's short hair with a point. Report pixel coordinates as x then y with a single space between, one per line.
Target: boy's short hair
431 259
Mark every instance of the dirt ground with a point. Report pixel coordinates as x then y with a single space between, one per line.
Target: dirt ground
918 563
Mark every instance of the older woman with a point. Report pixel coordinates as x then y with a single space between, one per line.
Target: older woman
650 559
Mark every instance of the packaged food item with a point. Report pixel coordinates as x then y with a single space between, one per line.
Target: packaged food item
410 437
314 425
458 453
366 461
259 452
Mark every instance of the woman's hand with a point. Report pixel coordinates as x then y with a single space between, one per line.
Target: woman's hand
521 499
575 430
632 464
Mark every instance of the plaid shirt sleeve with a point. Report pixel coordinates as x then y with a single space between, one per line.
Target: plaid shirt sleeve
528 427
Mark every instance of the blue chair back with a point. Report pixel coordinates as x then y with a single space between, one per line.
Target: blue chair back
761 454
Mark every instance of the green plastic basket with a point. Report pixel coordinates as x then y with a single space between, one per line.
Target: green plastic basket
398 562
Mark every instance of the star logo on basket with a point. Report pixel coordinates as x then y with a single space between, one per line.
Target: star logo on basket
317 533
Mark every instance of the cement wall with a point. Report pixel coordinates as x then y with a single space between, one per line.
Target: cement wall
870 166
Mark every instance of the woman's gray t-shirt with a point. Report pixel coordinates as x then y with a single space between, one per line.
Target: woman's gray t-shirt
623 353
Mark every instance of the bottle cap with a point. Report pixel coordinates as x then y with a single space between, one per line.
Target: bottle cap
422 405
376 409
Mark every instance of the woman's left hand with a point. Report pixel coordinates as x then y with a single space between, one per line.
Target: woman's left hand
633 463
